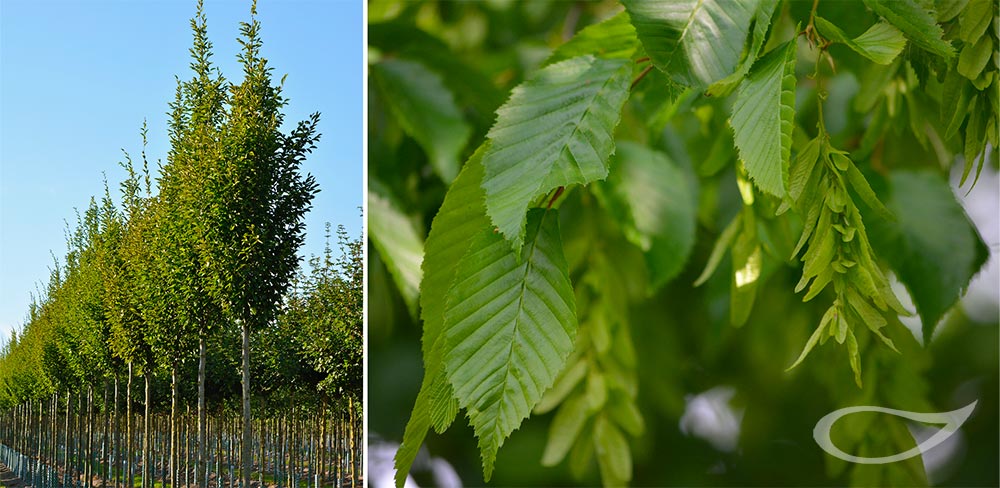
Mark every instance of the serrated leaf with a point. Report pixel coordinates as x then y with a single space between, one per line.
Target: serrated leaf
762 119
612 38
426 110
974 20
565 430
614 456
916 22
414 434
974 57
932 246
443 405
399 243
556 130
695 42
653 199
510 322
461 216
881 43
761 23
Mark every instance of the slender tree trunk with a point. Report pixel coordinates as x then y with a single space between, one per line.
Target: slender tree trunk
200 468
187 447
79 435
115 440
350 418
245 447
88 471
322 441
129 452
173 424
66 444
146 482
105 439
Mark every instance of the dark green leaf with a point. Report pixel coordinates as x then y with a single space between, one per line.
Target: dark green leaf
932 246
916 22
696 42
426 110
654 200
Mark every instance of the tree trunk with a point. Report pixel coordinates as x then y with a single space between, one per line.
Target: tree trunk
350 419
245 447
115 440
88 470
146 482
173 424
128 430
187 447
322 442
66 444
105 439
200 468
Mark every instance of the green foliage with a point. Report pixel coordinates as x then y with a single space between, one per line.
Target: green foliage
762 119
696 42
426 110
514 317
932 245
654 199
399 242
554 131
655 129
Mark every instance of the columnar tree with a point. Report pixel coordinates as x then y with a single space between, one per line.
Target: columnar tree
196 116
257 200
129 328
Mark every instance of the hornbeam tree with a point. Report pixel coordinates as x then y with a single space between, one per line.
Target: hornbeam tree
196 117
256 201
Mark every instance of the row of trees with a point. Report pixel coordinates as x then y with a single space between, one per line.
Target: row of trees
185 274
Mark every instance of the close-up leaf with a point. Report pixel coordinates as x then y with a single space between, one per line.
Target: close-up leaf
881 43
695 42
555 130
916 21
514 317
932 246
762 119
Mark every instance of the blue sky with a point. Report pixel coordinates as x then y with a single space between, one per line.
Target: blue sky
78 78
